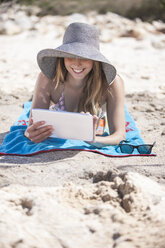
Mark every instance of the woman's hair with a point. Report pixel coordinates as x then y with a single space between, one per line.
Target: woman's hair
94 91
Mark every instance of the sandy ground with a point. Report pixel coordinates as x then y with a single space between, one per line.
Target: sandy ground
69 199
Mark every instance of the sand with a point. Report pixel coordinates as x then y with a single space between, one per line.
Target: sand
70 199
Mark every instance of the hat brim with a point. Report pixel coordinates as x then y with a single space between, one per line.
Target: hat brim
47 58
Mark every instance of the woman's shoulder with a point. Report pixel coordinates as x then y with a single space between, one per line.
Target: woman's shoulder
44 81
49 85
117 81
115 88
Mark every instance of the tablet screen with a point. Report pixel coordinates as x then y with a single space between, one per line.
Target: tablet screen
67 125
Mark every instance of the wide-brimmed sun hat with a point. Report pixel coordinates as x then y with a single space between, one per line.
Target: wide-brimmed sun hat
80 40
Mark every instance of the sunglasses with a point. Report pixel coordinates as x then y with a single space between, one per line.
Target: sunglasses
142 149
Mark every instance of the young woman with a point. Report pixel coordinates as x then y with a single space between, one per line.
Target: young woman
76 77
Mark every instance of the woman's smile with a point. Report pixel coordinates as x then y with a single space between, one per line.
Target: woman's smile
78 68
78 71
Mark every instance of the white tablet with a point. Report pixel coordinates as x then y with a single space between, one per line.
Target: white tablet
67 125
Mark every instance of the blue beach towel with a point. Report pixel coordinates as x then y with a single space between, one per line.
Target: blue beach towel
15 143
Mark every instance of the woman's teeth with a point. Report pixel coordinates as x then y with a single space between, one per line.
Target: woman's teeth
77 71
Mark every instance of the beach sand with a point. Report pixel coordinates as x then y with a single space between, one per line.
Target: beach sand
72 199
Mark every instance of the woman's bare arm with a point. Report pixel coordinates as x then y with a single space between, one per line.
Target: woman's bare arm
41 99
115 114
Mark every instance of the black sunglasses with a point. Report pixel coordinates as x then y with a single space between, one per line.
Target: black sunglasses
142 149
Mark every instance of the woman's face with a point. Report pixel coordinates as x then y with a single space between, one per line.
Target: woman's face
78 68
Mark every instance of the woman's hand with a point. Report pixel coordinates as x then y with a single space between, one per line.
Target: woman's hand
37 133
95 142
95 120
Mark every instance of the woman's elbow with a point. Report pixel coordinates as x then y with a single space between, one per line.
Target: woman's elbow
121 136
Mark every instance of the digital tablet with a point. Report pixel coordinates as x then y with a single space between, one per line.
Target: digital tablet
67 125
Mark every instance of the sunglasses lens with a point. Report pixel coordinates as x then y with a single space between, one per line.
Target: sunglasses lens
144 149
126 148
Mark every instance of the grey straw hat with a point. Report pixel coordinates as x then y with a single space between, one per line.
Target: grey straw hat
80 40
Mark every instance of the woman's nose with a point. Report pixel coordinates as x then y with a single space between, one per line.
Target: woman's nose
77 62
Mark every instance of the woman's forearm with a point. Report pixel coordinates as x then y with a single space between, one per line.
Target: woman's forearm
113 139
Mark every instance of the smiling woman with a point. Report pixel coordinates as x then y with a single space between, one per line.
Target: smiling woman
90 71
76 77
